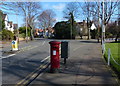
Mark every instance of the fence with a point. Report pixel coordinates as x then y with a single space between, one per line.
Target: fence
110 56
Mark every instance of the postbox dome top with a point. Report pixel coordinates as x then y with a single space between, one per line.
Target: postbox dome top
54 42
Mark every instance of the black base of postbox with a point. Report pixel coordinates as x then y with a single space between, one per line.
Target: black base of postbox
54 70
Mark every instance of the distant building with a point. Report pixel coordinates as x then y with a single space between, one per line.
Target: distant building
38 32
82 28
49 32
8 24
15 26
93 27
11 28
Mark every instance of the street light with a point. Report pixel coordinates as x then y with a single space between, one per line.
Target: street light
103 30
26 28
71 20
17 25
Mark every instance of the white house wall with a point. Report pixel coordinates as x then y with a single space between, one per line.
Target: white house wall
7 25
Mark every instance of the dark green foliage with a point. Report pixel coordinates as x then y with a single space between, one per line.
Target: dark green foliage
2 24
7 35
22 30
113 31
93 33
62 30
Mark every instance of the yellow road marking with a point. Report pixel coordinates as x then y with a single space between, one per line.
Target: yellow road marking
31 75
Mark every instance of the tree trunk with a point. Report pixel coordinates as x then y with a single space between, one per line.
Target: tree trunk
116 38
31 37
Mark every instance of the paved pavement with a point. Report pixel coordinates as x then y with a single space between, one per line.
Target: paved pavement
85 66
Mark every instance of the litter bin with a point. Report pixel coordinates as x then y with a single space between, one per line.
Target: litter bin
55 60
64 50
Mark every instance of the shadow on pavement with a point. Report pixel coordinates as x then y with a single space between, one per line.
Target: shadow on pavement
89 41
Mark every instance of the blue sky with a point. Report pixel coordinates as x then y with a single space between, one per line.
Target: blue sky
57 7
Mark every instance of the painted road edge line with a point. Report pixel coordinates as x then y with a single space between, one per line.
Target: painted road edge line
43 43
45 59
7 56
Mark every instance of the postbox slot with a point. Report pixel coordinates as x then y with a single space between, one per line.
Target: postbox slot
54 47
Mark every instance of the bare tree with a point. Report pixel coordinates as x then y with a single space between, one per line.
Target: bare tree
73 8
47 18
86 8
109 10
29 10
95 10
71 12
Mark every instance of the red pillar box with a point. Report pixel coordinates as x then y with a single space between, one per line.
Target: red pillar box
55 60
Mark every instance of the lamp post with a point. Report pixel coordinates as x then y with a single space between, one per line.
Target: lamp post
103 29
17 26
98 20
71 20
26 28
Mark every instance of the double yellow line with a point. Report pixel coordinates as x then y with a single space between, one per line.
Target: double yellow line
32 75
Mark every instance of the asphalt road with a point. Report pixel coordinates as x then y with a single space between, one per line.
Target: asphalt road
18 65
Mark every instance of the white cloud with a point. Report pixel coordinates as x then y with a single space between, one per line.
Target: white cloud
58 19
59 7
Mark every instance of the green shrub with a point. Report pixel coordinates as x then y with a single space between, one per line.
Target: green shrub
22 35
22 30
7 35
63 30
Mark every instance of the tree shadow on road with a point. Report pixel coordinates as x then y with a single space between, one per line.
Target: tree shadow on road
14 69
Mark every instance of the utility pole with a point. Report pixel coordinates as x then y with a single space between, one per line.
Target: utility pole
17 26
98 20
71 20
103 29
88 21
26 28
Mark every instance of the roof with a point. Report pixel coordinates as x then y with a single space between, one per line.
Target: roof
41 30
10 22
15 26
4 15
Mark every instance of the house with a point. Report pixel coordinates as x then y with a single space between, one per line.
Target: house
93 27
49 32
11 28
8 24
5 18
15 26
38 32
82 28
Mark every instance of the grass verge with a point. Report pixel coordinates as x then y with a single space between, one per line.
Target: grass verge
115 53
